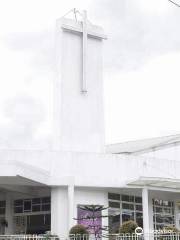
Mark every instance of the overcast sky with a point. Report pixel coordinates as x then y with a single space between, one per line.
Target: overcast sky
141 67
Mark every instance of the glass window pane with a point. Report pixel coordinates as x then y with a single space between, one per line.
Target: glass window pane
36 208
2 211
138 199
18 202
36 201
139 207
46 207
27 205
46 200
167 210
48 219
159 219
127 206
127 216
3 204
114 220
139 219
127 198
159 209
114 204
163 212
114 196
18 209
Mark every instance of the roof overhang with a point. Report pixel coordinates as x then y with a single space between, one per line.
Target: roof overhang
13 172
143 145
164 183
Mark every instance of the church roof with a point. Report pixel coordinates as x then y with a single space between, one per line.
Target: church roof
143 145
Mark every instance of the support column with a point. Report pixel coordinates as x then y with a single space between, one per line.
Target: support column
70 205
145 203
9 214
59 211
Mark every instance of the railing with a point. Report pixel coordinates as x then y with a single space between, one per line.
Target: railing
28 237
151 236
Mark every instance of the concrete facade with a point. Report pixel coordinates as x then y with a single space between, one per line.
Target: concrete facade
78 170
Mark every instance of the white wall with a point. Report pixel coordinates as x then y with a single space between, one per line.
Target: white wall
170 152
59 211
86 196
60 224
79 120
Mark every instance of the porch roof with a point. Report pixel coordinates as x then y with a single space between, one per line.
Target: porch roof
143 145
13 172
156 182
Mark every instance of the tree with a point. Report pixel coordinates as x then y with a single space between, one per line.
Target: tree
92 219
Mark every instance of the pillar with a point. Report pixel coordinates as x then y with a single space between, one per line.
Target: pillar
70 205
145 203
59 211
9 214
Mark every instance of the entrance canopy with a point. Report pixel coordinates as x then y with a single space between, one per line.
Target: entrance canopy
13 172
154 182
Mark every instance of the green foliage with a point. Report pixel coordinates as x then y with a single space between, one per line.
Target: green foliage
171 229
94 212
128 227
78 229
49 236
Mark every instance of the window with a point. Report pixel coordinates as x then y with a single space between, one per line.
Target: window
32 205
123 208
27 205
113 196
2 207
163 213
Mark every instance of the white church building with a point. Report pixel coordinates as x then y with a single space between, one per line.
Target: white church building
40 190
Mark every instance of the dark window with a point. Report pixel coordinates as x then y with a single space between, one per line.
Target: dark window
18 209
126 216
114 196
138 199
32 205
46 207
36 201
36 208
114 204
139 207
127 206
45 200
2 210
27 205
139 219
2 204
127 198
18 202
48 219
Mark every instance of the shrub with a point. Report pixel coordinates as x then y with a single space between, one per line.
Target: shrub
128 227
78 230
171 229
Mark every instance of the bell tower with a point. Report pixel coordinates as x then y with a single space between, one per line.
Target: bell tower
78 111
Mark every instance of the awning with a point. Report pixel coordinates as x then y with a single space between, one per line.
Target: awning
13 172
169 183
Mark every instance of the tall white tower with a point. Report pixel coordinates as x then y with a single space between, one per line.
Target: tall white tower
79 118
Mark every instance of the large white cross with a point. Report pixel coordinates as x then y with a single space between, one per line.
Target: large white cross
85 34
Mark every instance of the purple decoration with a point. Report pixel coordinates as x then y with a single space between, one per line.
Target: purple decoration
89 223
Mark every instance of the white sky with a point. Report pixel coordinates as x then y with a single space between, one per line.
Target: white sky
141 66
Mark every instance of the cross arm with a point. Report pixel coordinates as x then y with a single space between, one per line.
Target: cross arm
79 29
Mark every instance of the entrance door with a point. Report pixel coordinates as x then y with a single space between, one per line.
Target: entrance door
38 224
20 224
32 224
